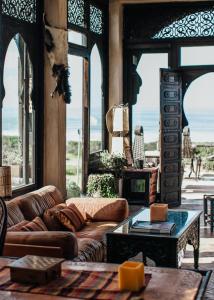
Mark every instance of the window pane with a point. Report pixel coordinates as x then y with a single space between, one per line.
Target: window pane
192 56
74 127
199 109
18 114
96 102
146 112
77 38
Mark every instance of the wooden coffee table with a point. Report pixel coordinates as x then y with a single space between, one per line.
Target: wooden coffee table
165 250
165 284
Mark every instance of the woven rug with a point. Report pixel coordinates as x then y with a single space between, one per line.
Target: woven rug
75 284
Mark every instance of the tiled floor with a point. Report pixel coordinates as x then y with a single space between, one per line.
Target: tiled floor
193 191
192 199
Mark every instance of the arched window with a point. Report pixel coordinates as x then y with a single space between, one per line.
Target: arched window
147 109
18 114
96 101
199 108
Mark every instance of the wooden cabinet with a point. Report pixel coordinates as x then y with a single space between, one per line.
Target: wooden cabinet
140 185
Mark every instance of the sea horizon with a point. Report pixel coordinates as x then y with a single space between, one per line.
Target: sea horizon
201 126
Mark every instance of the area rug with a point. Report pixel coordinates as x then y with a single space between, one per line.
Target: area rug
75 284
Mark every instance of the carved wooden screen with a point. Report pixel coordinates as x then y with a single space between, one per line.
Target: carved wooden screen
170 134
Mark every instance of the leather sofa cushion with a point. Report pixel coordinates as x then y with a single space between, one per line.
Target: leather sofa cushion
36 225
15 215
96 230
101 209
18 226
67 241
71 218
50 219
35 203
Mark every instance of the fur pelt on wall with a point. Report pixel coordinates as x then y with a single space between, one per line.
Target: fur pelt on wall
57 50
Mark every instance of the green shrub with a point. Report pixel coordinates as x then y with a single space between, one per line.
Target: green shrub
101 185
73 190
113 162
71 170
208 165
12 150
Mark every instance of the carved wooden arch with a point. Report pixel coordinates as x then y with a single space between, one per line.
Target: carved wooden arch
28 35
29 24
190 74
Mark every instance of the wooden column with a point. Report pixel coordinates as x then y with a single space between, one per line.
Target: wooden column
115 54
54 109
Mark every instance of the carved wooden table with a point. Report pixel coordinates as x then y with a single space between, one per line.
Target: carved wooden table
164 250
165 284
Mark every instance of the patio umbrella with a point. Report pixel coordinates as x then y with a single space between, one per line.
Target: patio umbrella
187 144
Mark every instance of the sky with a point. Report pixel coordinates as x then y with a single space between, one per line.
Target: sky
11 76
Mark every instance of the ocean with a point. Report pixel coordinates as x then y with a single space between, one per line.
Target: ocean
201 125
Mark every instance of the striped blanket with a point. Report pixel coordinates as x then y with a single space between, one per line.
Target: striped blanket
76 284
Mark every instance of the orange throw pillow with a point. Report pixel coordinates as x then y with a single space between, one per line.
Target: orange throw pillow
71 218
35 225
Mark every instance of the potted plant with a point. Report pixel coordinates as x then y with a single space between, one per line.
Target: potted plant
101 185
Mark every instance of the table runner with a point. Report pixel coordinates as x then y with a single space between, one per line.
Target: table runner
75 284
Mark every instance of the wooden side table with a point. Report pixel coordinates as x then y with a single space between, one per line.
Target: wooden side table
140 185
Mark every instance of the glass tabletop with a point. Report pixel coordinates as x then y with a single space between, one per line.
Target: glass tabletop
181 218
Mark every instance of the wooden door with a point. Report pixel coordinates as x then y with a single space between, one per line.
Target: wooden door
170 136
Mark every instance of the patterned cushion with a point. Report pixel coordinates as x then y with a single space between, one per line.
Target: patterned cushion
35 225
71 218
35 203
15 215
90 250
18 227
50 219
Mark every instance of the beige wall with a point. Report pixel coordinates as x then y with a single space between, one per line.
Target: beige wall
54 109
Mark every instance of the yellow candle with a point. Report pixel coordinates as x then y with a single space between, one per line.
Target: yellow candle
131 276
158 212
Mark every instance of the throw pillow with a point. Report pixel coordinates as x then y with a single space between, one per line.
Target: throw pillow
50 219
35 225
71 218
18 226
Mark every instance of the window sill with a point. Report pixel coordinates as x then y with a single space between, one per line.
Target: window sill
23 190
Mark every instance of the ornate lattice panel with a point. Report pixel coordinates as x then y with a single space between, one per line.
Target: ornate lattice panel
96 20
199 24
24 10
76 12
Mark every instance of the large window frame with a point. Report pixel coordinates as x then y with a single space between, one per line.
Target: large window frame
30 27
101 40
140 39
140 35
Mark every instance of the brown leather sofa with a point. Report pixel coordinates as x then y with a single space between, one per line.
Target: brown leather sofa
100 214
